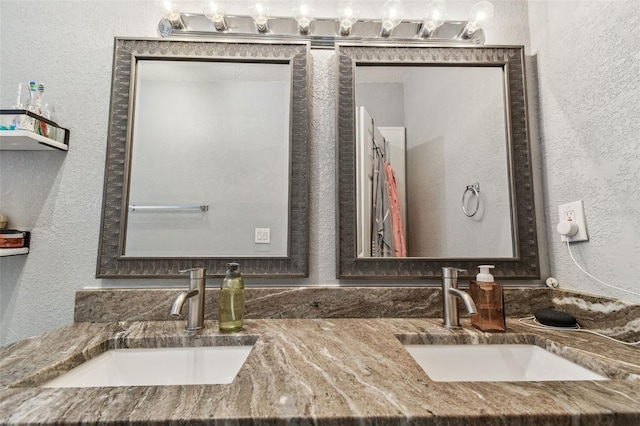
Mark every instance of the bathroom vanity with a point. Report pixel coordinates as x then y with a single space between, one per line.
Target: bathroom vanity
329 371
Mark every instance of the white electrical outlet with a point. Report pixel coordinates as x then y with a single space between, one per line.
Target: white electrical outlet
574 213
263 236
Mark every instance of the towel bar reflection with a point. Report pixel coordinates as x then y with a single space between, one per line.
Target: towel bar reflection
474 192
203 207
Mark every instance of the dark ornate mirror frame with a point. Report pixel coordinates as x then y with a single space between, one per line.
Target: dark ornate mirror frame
126 53
525 265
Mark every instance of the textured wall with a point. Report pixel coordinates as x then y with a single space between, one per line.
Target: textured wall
588 60
68 45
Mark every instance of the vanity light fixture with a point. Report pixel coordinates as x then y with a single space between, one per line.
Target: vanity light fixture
435 16
303 14
348 13
214 11
480 11
259 12
392 13
432 27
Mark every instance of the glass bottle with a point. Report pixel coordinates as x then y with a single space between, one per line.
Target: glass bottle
231 301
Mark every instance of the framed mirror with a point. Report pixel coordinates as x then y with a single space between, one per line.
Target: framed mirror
434 162
207 159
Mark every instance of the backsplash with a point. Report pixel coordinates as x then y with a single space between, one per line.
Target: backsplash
295 302
608 316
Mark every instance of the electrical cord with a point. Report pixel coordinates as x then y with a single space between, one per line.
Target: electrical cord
577 327
600 281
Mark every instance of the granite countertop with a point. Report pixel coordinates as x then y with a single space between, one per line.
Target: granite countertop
318 371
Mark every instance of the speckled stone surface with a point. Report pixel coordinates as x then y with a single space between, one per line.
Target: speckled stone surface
296 302
318 371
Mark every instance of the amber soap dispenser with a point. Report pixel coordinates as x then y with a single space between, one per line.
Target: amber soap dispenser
487 295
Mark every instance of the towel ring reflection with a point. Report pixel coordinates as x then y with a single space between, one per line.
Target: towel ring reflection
474 191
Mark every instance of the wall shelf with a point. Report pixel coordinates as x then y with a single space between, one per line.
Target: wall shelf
13 251
20 250
24 140
33 132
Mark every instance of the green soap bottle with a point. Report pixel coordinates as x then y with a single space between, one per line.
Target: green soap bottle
231 301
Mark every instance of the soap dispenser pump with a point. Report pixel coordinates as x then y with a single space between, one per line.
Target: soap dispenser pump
488 297
485 274
231 301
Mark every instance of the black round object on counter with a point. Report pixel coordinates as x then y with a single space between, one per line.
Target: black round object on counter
555 318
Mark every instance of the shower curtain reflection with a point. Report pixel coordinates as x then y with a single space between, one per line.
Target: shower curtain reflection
381 189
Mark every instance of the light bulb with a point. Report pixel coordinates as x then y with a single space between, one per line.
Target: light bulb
214 11
303 13
392 13
172 13
348 13
259 11
480 11
435 15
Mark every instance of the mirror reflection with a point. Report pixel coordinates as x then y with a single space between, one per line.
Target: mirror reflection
482 117
433 175
209 169
207 158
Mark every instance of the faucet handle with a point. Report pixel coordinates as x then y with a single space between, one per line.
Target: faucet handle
195 273
449 272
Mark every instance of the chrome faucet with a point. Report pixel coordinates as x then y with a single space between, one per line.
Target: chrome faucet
195 294
449 293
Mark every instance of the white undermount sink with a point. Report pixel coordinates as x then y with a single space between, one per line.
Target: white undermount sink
496 363
157 367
